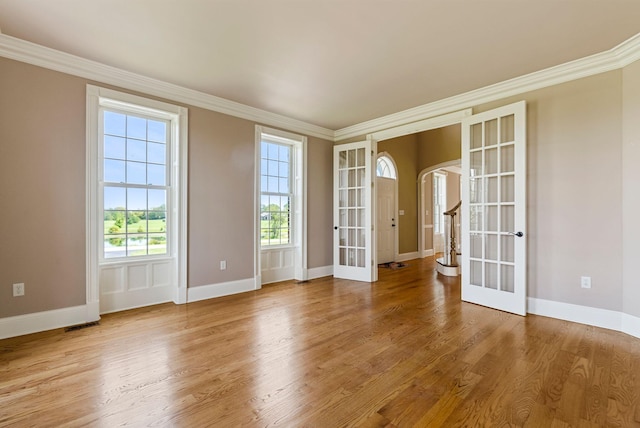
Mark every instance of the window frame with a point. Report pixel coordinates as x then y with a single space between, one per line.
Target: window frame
95 98
299 215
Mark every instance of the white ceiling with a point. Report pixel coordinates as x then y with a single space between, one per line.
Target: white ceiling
332 63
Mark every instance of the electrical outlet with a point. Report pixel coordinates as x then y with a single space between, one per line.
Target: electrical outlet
223 264
585 281
18 289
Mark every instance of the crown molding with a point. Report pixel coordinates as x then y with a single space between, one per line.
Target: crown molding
31 53
421 126
618 57
628 51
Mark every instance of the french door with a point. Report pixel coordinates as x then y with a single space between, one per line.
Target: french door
494 208
353 208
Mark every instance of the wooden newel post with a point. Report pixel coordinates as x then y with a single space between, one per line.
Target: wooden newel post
453 251
451 256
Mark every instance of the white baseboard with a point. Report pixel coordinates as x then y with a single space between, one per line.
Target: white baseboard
631 325
308 274
428 253
319 272
211 291
204 292
59 318
46 320
596 317
407 256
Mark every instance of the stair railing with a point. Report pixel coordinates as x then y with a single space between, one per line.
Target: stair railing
451 255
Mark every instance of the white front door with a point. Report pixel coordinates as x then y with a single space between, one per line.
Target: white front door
385 221
353 207
494 209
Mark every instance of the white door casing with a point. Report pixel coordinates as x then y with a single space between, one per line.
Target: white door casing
494 208
353 207
386 224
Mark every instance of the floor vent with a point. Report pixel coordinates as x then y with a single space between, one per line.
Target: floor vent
81 326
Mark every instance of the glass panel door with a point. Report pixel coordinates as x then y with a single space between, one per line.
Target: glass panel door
352 211
493 162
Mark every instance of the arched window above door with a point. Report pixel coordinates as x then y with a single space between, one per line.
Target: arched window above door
385 167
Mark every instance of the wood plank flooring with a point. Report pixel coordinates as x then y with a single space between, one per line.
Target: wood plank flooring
402 352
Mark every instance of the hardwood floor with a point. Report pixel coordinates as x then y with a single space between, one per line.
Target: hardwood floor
402 352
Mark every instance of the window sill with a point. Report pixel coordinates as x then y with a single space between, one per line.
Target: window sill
276 247
135 260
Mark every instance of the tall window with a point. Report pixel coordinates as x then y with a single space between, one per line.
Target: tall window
136 182
276 187
439 201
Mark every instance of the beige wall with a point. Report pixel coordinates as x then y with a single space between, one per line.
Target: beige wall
221 199
453 190
574 192
439 145
631 189
320 202
42 189
583 141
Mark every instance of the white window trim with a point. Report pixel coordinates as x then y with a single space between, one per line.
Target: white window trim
299 218
98 97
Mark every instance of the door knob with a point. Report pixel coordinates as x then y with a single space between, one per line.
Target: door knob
518 234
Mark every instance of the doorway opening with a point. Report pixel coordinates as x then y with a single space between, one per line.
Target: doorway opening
440 190
492 149
386 209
